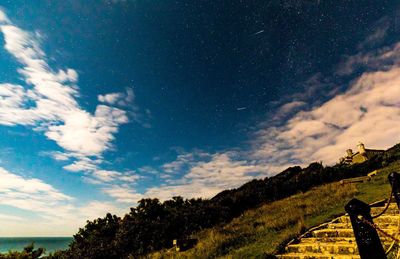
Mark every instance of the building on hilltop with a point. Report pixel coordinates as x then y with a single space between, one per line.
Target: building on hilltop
362 155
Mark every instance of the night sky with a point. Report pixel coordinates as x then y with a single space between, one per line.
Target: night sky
103 103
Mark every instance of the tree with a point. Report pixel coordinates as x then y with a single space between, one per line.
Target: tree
96 239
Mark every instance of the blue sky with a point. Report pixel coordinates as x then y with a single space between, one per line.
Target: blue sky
106 102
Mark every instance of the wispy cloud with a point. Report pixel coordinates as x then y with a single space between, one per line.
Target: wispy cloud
382 59
54 94
288 109
123 194
122 99
378 33
206 175
49 104
107 179
56 213
17 189
368 111
184 160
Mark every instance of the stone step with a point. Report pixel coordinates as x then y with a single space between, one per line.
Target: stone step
339 225
341 248
338 246
349 240
326 232
391 219
348 232
316 256
392 210
346 225
328 239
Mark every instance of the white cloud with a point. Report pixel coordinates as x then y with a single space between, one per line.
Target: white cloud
7 217
15 186
207 178
53 212
95 209
84 164
148 170
206 175
95 175
85 134
60 156
382 59
123 194
183 161
54 94
3 17
287 109
110 176
121 99
55 110
368 111
109 98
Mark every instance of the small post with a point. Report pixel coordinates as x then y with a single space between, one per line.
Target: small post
176 244
368 242
394 180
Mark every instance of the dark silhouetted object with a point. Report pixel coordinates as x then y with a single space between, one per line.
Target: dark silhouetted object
394 179
368 242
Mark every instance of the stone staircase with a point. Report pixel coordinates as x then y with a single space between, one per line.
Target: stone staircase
335 239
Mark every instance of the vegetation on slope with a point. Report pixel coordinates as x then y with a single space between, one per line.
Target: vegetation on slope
261 232
152 225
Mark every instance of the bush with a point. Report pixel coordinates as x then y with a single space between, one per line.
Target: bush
28 252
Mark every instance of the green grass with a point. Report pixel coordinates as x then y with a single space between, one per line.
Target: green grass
263 231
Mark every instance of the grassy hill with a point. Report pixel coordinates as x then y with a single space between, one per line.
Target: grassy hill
252 220
261 232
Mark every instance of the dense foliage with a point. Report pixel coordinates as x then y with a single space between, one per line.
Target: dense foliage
153 225
29 252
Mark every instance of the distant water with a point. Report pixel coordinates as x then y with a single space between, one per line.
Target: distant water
51 244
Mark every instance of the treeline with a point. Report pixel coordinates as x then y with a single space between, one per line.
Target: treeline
152 225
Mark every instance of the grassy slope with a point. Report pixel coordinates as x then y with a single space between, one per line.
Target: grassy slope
264 230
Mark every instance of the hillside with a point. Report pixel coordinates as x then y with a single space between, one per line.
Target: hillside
152 225
263 231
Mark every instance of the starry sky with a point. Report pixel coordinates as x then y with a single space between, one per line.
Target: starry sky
103 103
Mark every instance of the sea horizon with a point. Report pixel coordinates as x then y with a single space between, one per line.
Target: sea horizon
51 243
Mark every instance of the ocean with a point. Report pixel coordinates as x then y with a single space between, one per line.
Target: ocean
51 244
